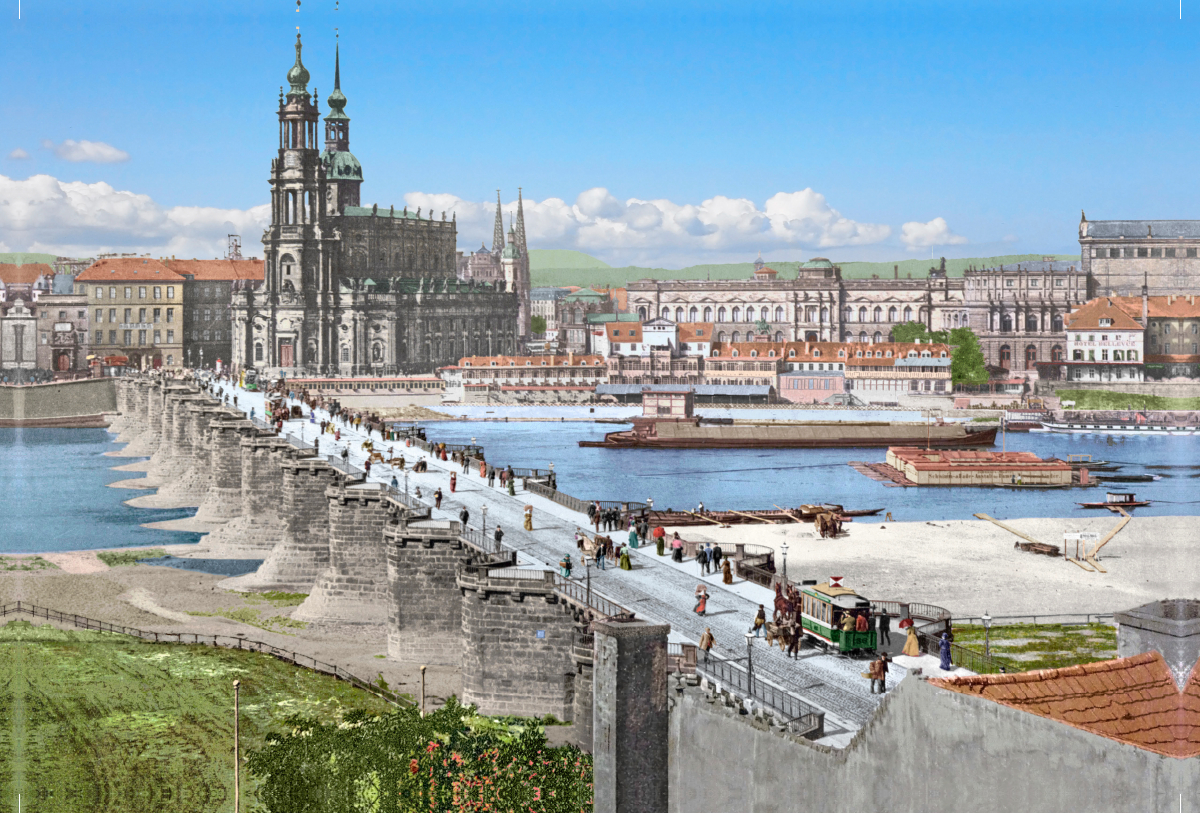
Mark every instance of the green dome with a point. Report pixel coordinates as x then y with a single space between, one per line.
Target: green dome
341 165
818 262
510 252
298 75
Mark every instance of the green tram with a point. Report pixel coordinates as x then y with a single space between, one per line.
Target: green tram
823 610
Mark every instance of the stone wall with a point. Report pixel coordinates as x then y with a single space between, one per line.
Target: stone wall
144 434
581 714
424 601
223 500
259 528
517 638
67 403
353 588
193 464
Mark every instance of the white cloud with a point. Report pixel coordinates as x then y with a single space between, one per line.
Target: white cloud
18 154
42 213
646 232
96 152
916 235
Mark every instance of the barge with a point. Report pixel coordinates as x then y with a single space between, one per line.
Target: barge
668 422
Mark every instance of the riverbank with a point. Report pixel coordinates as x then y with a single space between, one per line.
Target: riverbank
972 566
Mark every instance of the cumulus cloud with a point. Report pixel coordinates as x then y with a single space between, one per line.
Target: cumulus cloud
657 231
18 154
42 213
95 152
916 235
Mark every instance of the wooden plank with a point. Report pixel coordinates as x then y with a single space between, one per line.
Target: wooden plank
1081 564
706 519
752 516
789 513
1096 565
1125 517
1009 528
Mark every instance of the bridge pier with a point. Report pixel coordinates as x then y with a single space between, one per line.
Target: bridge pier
223 501
119 421
193 463
144 431
353 588
517 640
424 601
164 463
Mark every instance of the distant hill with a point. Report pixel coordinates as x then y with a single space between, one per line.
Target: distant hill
562 259
604 275
22 258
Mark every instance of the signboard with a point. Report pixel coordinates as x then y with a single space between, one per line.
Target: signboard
1081 536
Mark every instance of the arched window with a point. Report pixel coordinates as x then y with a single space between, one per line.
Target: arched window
771 354
779 313
779 335
907 313
749 314
679 314
642 313
718 352
849 314
753 354
737 337
735 353
720 337
1006 323
721 314
1031 324
878 337
1005 356
878 314
1056 353
892 314
707 314
1031 358
862 315
792 354
824 315
666 313
1056 323
862 337
692 313
258 351
737 315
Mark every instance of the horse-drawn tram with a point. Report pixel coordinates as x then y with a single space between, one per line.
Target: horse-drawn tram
837 617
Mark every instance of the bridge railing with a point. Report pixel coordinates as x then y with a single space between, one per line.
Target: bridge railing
577 592
789 710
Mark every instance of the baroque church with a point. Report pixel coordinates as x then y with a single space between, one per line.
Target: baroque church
362 290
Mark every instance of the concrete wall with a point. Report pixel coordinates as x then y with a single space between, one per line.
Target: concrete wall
424 601
68 404
928 749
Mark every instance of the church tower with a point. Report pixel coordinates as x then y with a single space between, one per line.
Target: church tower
498 228
343 173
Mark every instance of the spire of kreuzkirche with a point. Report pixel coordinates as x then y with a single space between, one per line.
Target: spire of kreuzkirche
520 222
298 76
498 229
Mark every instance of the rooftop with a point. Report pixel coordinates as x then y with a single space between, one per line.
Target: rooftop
214 270
944 460
1140 229
128 269
1088 315
26 274
1161 307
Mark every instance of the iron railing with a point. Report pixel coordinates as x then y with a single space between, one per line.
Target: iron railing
223 641
960 656
578 592
790 711
1056 618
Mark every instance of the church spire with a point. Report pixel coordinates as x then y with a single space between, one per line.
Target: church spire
298 75
498 229
520 222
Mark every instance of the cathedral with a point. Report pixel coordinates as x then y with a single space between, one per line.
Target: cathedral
362 290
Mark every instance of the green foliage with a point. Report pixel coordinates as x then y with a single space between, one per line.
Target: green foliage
448 760
276 598
1107 399
537 324
967 364
119 558
1024 647
250 616
25 257
540 258
9 563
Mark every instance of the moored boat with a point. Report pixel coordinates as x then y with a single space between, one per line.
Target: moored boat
1114 500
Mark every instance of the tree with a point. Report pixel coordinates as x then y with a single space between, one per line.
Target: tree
966 357
538 324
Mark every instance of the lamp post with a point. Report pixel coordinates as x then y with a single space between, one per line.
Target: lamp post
236 771
783 552
587 568
485 523
750 663
553 483
987 634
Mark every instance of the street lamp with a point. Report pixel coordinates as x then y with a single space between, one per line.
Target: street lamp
987 633
587 567
236 685
750 663
783 550
485 522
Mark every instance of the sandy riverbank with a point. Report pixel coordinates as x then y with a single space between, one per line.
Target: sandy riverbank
160 599
971 566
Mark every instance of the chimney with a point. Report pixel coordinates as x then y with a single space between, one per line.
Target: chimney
1172 627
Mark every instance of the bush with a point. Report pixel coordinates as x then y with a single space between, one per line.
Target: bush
119 558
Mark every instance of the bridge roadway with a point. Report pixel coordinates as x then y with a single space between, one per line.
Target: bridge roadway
656 589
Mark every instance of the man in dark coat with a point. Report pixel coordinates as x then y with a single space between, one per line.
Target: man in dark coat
884 624
716 554
463 516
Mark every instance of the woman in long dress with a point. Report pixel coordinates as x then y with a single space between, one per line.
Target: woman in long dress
912 647
726 572
701 599
625 563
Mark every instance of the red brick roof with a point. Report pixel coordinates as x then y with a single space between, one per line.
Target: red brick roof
963 460
534 361
1088 315
882 354
625 331
128 269
1170 307
1132 700
695 331
26 274
216 270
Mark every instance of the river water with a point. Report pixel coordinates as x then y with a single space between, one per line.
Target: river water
56 498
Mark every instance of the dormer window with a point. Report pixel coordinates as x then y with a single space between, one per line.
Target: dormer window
912 354
735 354
543 364
841 354
716 353
753 354
512 364
816 354
943 354
493 364
698 333
859 354
467 364
791 354
771 354
1106 323
889 354
529 364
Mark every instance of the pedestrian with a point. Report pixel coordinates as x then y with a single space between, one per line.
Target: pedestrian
346 455
727 573
944 648
625 563
633 538
708 559
700 508
395 483
861 624
463 516
437 498
912 645
251 413
701 600
337 435
797 634
706 643
591 512
465 463
316 446
660 538
512 487
367 467
601 557
491 476
453 482
702 559
565 566
498 536
760 621
529 517
717 553
878 673
677 548
884 624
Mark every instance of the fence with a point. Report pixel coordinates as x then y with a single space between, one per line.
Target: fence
223 641
578 592
792 712
1058 618
971 659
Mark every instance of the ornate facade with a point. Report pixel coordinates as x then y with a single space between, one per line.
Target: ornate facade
355 290
1122 255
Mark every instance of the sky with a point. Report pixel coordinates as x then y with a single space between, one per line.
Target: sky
647 133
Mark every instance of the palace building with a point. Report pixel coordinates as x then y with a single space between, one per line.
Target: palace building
362 290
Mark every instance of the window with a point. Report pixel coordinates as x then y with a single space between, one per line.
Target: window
99 337
1156 252
158 292
99 316
158 314
1191 252
1170 252
141 337
112 292
737 314
170 359
721 315
206 334
170 292
1143 252
1059 283
1166 328
195 335
207 315
170 314
157 337
708 314
99 292
258 356
791 354
892 314
170 337
141 292
141 315
1008 283
112 337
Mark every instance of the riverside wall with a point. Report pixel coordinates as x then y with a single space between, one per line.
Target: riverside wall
85 403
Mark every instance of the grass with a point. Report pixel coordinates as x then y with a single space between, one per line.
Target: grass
1107 399
251 616
275 598
10 563
1024 647
100 722
120 558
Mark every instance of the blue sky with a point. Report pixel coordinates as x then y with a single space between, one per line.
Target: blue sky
694 126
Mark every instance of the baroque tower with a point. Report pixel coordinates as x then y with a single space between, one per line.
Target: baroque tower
343 172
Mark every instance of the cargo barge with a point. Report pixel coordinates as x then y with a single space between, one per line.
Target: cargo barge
668 422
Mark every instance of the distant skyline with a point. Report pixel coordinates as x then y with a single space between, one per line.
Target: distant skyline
641 133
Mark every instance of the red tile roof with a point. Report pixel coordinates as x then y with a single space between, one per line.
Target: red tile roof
1168 307
695 331
1089 314
962 460
1132 700
128 269
534 361
216 270
624 331
26 274
828 351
